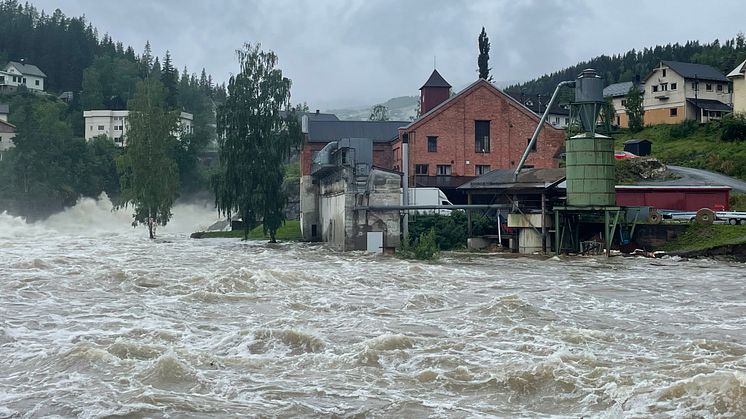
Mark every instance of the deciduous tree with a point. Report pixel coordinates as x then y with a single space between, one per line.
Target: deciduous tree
255 139
379 113
149 176
635 111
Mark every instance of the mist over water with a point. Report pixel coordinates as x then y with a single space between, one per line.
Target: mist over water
97 320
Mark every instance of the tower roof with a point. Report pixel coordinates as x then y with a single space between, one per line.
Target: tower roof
435 80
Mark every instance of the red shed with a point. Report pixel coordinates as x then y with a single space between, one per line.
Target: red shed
682 198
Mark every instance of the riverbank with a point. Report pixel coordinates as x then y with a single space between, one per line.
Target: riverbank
710 240
290 231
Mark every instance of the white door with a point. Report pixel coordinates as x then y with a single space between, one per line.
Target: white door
375 242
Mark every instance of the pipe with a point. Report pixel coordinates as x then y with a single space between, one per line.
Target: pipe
428 207
539 127
405 182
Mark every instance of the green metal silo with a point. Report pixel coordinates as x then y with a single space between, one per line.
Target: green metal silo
590 172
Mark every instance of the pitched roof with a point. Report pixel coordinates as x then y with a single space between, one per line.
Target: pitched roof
378 131
527 179
435 80
468 89
27 69
710 105
619 89
738 71
695 71
4 108
13 127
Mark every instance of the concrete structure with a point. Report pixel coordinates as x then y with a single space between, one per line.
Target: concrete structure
617 92
16 74
336 199
113 124
477 130
676 91
738 78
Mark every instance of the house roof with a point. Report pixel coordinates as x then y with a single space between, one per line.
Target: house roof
435 80
27 69
378 131
738 71
4 108
695 71
314 116
710 105
480 82
532 178
8 124
637 141
619 89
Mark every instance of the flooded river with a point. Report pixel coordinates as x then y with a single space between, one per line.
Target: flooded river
96 320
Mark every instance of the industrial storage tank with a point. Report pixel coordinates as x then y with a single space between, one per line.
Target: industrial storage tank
590 167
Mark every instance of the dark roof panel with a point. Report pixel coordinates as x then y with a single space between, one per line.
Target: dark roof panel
436 80
533 178
710 105
378 131
696 71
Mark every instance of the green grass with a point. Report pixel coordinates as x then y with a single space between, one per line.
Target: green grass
290 231
702 148
700 237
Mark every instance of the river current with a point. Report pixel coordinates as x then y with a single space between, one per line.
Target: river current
98 321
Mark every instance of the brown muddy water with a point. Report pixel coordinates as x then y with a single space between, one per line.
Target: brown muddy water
97 321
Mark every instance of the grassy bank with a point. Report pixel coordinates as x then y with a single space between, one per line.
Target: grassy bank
692 145
699 238
290 231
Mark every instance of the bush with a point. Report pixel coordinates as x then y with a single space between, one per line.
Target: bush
684 129
450 230
733 128
425 247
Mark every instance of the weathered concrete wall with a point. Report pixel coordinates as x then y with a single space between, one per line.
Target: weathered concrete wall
346 228
309 209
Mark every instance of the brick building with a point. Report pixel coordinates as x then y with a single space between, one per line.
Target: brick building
478 130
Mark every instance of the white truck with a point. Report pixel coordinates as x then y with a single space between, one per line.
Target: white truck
427 197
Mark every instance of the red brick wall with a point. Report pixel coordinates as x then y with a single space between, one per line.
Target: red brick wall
511 126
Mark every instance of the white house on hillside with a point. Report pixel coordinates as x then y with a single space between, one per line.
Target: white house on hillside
676 91
7 130
16 74
738 77
113 124
618 94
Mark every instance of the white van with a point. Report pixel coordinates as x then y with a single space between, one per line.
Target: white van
427 196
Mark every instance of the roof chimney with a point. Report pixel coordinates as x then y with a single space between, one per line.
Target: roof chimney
317 111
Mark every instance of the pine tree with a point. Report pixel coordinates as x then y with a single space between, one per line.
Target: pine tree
146 61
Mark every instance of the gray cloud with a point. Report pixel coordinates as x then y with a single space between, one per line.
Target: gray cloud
359 51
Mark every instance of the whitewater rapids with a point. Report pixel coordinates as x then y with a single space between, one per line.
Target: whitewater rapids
96 320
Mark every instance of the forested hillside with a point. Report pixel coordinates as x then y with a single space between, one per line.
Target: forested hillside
52 165
624 67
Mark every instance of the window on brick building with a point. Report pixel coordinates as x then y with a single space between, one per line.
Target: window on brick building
673 111
533 147
420 169
482 136
432 144
444 170
481 169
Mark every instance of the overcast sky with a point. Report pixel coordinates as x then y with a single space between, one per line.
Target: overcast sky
357 52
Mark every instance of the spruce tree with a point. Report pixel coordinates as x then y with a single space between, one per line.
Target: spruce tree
170 79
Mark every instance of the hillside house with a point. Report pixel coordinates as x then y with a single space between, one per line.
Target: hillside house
7 130
617 92
471 133
113 124
738 78
676 91
559 114
16 74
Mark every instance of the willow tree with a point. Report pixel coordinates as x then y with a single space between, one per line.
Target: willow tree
257 131
149 176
